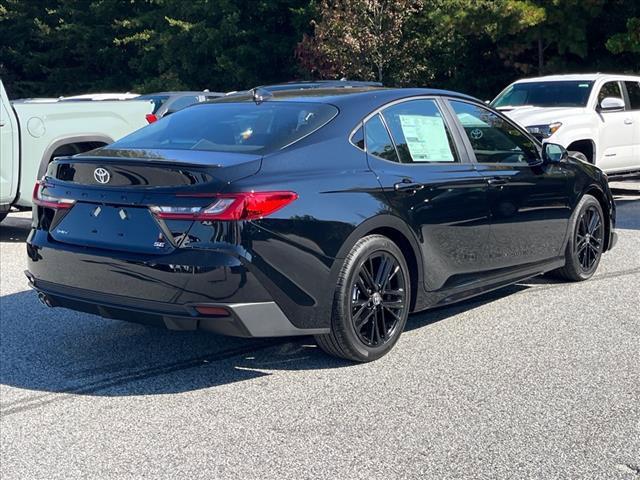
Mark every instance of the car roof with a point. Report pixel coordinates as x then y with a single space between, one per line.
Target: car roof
172 94
319 84
308 84
340 96
576 77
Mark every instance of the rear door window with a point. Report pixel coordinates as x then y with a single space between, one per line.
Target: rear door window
633 90
377 140
420 133
358 138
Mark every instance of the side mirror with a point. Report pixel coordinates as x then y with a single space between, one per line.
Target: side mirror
552 152
611 104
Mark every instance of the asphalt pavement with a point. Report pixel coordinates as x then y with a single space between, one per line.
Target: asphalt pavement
539 380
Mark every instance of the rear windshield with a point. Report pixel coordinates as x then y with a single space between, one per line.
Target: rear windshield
563 93
157 100
232 127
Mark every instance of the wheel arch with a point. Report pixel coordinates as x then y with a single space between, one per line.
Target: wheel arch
577 143
397 231
599 195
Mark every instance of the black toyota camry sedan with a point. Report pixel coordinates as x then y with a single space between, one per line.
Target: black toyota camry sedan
329 212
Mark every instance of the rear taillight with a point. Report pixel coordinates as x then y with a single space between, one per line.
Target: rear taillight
42 199
151 117
234 206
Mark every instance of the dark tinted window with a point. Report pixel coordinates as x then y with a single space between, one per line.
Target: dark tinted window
633 89
378 141
545 94
493 139
157 100
183 102
610 89
232 127
419 132
358 138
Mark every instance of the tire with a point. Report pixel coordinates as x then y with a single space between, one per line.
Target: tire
584 247
3 215
579 156
371 302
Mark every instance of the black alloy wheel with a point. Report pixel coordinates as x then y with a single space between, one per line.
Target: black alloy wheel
378 298
587 241
371 301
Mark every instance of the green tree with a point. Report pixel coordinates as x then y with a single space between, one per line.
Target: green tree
70 46
61 47
628 41
357 38
218 45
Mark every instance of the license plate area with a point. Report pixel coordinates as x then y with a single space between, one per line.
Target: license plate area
112 227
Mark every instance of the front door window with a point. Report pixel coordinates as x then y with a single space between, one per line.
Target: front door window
494 139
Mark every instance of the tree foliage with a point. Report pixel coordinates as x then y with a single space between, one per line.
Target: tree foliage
357 38
475 45
60 47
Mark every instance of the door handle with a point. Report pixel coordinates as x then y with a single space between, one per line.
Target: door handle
628 121
496 181
408 185
2 124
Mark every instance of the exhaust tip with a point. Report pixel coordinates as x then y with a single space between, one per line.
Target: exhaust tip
45 300
30 277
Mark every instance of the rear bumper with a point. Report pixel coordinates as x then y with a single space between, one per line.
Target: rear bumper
253 319
161 289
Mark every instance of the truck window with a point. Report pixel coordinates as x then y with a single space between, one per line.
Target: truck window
610 89
633 89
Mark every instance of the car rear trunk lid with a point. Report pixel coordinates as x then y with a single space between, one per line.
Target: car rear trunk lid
113 194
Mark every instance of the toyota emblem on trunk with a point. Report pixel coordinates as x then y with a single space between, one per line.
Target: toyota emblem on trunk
101 175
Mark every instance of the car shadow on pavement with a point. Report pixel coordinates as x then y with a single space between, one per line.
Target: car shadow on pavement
57 350
15 229
61 351
428 317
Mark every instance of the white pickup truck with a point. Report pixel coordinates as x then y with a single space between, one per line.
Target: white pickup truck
597 115
32 133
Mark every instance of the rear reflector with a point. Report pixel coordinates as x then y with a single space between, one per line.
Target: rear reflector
151 118
212 311
43 200
234 206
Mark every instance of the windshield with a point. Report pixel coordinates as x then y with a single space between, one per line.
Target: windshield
545 94
157 100
232 127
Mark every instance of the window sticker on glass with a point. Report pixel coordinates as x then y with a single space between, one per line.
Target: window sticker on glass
426 138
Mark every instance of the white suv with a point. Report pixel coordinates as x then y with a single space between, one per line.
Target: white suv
596 114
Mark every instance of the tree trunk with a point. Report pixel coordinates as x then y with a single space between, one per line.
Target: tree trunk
540 53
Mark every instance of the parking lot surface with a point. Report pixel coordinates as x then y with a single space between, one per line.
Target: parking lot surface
538 380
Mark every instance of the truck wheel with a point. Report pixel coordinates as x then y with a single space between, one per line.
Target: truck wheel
579 156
